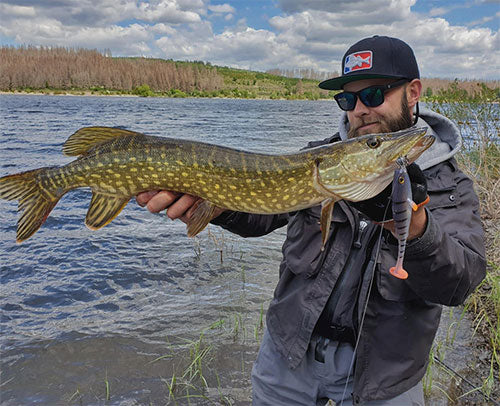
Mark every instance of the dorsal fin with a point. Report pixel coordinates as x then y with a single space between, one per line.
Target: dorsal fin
88 137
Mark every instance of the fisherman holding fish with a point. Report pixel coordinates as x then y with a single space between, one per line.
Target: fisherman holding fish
340 326
362 281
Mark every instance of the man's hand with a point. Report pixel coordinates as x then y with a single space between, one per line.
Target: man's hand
418 224
379 208
179 206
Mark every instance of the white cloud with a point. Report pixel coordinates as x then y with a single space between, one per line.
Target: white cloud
393 8
306 34
131 40
222 8
14 11
170 11
163 29
438 11
442 49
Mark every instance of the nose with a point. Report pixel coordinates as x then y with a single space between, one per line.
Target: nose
360 109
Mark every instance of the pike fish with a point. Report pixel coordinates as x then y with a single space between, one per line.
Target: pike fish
117 164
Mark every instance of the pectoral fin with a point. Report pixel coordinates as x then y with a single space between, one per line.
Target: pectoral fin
103 209
318 184
203 213
326 219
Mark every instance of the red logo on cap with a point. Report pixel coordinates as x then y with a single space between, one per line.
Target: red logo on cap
358 61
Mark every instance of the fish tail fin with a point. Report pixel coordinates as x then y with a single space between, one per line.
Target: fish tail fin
34 202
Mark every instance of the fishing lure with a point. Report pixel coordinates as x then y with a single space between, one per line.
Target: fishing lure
402 206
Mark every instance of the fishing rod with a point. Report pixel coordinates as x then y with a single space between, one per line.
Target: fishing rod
462 378
442 363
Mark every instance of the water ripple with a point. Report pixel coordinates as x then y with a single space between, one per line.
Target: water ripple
139 279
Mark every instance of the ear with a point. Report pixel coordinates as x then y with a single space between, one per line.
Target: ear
413 91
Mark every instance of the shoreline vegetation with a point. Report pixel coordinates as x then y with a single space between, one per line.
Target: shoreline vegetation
69 71
472 105
478 120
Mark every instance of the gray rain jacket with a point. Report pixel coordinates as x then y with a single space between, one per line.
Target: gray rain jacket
445 265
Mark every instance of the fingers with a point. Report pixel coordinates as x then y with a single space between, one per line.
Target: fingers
178 205
143 198
189 213
179 209
418 224
388 225
161 200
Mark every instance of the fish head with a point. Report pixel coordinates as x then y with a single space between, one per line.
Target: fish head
361 167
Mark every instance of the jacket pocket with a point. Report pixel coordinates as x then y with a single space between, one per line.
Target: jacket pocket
442 187
390 287
444 197
302 247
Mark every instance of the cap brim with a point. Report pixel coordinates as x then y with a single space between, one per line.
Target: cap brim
339 82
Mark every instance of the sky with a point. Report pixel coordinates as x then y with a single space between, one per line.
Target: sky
451 38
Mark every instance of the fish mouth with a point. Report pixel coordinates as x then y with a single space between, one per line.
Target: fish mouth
411 150
374 173
419 147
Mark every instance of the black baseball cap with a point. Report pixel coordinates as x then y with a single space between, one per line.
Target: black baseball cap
375 57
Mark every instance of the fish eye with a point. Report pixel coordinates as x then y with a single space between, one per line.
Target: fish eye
373 142
401 180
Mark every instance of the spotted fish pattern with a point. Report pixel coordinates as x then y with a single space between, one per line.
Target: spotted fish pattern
117 164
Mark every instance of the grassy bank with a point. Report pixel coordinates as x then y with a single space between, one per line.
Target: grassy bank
479 122
238 85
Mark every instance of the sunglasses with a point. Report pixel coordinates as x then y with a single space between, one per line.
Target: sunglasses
372 96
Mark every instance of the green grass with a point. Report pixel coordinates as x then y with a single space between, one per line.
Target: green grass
478 120
191 362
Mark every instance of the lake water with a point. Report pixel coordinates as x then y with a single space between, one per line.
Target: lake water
137 313
84 308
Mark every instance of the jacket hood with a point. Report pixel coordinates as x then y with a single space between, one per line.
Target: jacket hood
448 139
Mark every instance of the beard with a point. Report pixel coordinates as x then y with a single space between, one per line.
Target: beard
388 125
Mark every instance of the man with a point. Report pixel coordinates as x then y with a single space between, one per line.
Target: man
340 326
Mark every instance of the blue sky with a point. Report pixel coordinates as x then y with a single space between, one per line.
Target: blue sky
451 39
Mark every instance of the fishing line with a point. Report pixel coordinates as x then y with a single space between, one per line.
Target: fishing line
360 328
442 363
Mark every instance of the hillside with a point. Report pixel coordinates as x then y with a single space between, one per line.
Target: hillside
58 70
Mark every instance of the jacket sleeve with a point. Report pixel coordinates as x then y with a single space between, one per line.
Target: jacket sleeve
448 261
250 225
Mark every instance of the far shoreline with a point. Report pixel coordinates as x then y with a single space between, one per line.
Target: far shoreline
61 93
159 96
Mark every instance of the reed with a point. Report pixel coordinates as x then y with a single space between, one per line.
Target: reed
477 116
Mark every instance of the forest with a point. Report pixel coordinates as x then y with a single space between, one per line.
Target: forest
59 70
66 68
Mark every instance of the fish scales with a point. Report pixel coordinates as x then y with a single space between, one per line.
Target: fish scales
118 164
228 178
